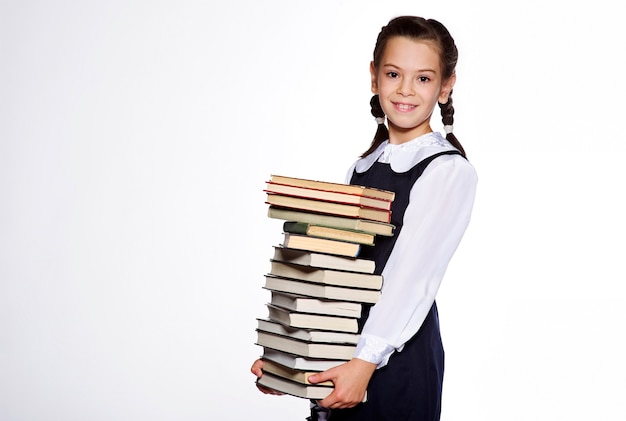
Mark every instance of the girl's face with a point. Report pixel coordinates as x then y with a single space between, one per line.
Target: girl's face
409 84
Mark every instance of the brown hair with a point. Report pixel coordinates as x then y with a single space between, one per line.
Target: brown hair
417 28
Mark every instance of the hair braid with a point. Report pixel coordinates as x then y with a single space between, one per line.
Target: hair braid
382 133
447 117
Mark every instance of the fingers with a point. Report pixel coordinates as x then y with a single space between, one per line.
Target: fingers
269 391
257 368
327 402
350 383
333 401
336 401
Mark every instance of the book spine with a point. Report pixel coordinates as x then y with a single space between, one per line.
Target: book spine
296 227
332 208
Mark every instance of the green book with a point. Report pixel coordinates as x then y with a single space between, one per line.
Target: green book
342 234
357 224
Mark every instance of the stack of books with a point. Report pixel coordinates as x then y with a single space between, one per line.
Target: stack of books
317 281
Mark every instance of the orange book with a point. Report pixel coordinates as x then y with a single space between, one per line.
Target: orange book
332 208
328 195
333 187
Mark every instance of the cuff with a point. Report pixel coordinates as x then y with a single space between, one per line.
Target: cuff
373 350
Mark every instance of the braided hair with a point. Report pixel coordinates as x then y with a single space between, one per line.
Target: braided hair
419 29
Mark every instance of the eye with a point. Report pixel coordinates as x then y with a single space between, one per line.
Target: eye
423 79
392 75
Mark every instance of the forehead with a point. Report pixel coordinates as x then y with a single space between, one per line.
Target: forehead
411 53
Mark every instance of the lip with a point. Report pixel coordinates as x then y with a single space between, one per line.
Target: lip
403 107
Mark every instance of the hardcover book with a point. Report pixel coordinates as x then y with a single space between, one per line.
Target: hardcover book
323 260
330 292
333 187
313 230
302 304
298 362
298 376
326 276
327 195
311 335
305 348
374 227
320 206
312 321
290 387
322 245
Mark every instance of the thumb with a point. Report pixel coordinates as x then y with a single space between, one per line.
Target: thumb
320 377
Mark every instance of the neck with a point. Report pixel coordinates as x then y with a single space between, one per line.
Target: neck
398 135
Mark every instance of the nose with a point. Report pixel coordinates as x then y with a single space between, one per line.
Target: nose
406 87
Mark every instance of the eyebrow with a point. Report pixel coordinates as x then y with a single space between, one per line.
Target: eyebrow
418 70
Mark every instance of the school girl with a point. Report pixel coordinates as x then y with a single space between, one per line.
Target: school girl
399 360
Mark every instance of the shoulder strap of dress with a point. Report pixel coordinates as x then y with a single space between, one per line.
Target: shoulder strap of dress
416 172
426 161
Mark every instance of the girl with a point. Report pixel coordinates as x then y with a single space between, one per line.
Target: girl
399 360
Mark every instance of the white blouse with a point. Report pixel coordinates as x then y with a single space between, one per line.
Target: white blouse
438 213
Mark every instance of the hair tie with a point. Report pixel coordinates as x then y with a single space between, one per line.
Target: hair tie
448 128
380 120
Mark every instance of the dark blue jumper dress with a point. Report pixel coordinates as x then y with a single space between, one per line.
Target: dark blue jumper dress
409 387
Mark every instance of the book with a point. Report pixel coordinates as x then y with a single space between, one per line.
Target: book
312 335
317 281
322 245
312 321
330 292
328 195
298 376
298 362
322 260
326 276
374 227
289 387
305 348
320 206
335 187
302 304
313 230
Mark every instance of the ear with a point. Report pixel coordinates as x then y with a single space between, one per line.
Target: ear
374 78
446 89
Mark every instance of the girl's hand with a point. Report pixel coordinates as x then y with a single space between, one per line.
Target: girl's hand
350 380
257 370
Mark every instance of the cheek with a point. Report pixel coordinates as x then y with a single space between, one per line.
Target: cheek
384 88
387 107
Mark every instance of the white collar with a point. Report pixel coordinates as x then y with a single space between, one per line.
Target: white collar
406 155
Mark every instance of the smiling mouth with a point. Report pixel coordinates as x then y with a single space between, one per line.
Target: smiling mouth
404 107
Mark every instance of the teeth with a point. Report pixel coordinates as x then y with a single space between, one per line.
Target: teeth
405 106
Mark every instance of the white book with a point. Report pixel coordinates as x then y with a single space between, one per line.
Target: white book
311 335
298 362
321 260
331 292
305 348
326 276
312 321
290 387
302 304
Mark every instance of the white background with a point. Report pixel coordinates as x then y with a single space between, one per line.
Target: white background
135 140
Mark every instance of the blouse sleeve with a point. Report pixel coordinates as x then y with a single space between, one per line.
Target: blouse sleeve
435 220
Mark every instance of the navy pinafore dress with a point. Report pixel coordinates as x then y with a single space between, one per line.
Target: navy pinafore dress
409 387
